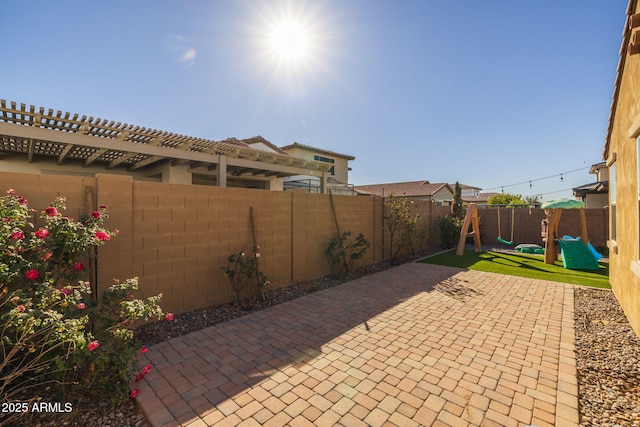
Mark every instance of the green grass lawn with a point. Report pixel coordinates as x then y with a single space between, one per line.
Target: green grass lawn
523 265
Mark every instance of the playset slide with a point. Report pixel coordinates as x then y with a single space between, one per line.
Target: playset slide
576 256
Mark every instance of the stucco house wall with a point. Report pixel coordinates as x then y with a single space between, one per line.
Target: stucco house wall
621 154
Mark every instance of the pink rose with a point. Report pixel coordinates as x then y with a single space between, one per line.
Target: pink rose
17 235
66 291
78 266
169 317
101 235
20 307
96 214
93 345
47 256
42 233
32 274
51 211
81 306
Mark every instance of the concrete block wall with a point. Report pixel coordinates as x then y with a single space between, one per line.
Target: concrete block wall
175 238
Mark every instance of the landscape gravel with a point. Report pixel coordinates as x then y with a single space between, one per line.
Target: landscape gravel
607 354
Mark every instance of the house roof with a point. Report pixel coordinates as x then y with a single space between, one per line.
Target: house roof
67 136
598 187
409 189
594 168
317 150
480 198
626 36
260 140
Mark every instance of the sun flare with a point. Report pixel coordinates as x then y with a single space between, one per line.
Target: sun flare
289 41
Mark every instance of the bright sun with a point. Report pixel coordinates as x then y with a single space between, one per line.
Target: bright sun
289 41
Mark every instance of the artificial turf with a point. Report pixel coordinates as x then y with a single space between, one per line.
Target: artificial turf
523 265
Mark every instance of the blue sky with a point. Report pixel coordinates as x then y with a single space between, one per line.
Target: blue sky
486 93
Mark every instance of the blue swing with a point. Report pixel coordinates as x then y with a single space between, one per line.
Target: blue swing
500 239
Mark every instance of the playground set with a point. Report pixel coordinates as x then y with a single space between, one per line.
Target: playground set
576 253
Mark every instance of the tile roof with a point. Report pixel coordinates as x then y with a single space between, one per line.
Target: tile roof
480 198
409 189
317 150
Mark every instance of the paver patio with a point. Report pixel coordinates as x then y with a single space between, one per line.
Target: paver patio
416 345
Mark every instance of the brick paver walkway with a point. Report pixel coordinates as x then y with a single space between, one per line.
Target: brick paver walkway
417 345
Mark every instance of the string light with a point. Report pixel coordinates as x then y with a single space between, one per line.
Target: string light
531 181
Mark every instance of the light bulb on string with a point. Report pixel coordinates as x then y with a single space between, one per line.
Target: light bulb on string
530 185
561 178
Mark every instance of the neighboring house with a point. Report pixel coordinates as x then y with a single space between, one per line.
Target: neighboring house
35 140
338 178
595 194
622 156
472 194
440 193
480 198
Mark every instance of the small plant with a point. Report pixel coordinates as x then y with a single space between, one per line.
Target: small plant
111 361
343 255
450 227
402 226
247 281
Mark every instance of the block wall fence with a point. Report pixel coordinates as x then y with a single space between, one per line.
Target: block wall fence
175 238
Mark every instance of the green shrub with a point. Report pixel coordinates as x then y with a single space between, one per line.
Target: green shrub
343 254
450 230
50 330
246 280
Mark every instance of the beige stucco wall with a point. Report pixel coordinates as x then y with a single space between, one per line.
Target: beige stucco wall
341 164
625 253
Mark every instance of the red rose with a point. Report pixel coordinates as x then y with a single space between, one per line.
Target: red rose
93 345
134 393
78 266
51 211
66 291
17 235
96 214
101 235
20 307
32 274
169 317
42 233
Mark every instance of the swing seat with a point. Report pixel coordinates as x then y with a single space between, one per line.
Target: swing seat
506 242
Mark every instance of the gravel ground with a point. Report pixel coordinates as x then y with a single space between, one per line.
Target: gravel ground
608 358
607 351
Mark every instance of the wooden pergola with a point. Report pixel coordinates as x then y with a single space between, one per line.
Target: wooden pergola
39 132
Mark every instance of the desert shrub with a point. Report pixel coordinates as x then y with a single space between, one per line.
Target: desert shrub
402 227
449 228
246 280
343 253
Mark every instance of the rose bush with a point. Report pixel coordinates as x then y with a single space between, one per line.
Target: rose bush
50 328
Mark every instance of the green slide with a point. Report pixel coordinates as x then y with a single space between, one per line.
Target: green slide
576 256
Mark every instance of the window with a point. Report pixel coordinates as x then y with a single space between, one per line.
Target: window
326 160
612 201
